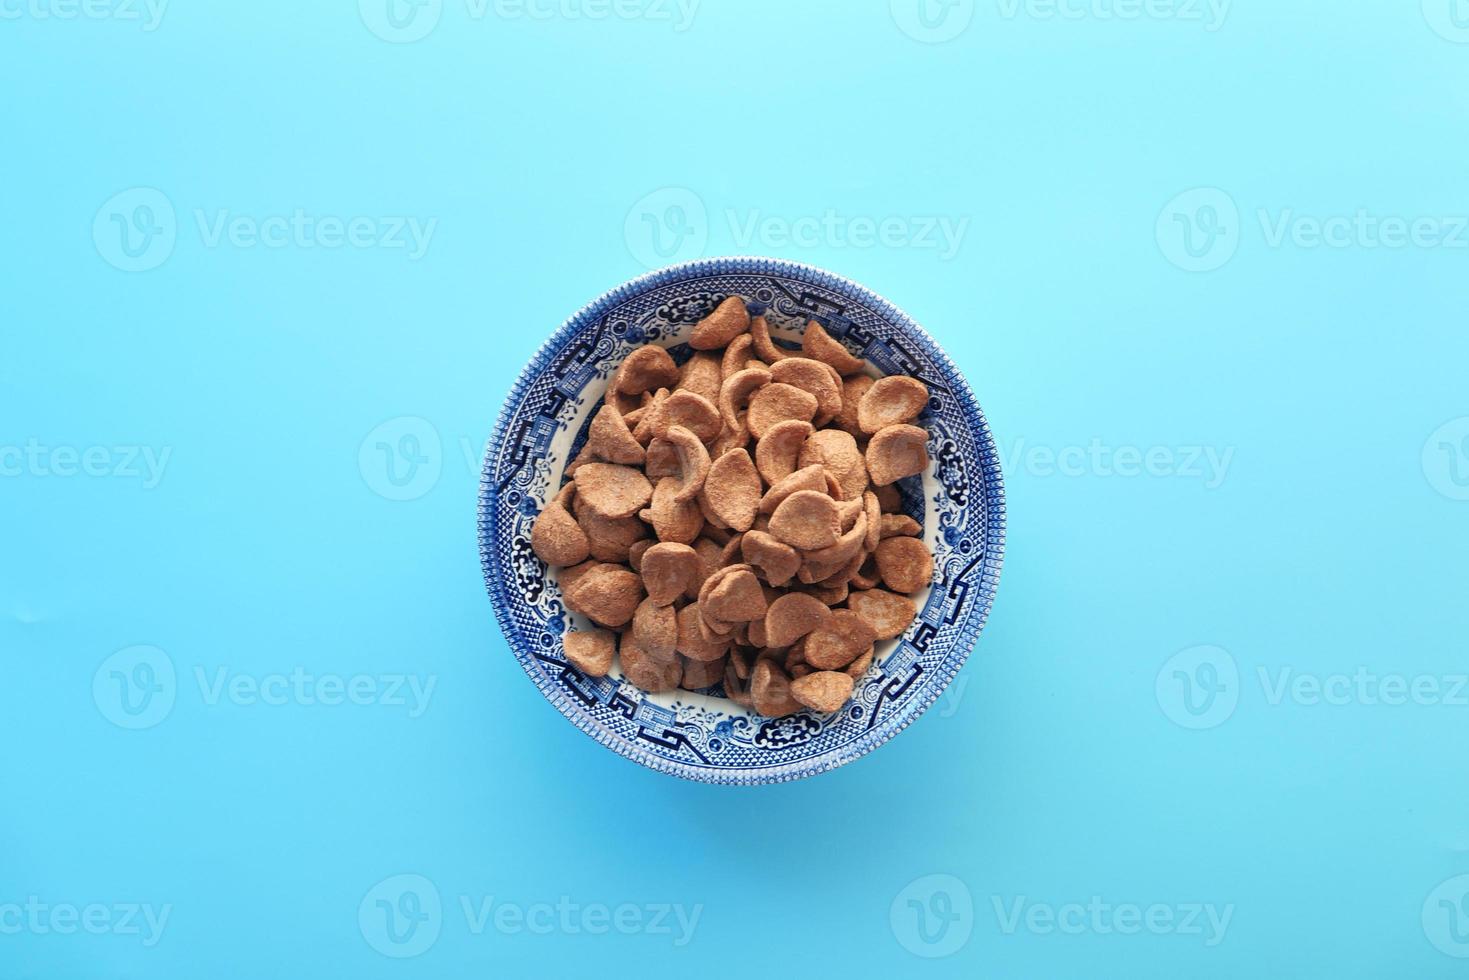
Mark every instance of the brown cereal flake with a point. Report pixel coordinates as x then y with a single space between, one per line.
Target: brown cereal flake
770 688
697 675
693 642
611 539
694 412
733 489
905 564
611 440
823 691
806 478
844 550
806 520
701 374
873 510
590 651
775 403
662 460
612 491
556 537
655 629
837 451
858 668
693 460
853 389
606 594
838 641
896 452
888 613
672 519
637 549
735 392
765 347
736 598
792 616
893 400
646 369
728 321
899 525
816 377
822 346
775 560
669 570
779 448
648 672
737 356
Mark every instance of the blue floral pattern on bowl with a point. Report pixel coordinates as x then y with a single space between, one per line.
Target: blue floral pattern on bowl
960 501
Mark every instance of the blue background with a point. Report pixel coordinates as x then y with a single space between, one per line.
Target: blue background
1061 766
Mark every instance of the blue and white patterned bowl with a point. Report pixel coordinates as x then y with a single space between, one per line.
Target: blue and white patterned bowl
960 502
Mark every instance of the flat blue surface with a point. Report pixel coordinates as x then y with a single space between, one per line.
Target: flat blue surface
1209 285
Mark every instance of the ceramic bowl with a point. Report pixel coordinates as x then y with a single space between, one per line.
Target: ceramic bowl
960 502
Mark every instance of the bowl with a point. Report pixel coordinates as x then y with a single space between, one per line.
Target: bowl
959 500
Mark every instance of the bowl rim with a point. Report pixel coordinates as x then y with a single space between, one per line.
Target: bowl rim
995 538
